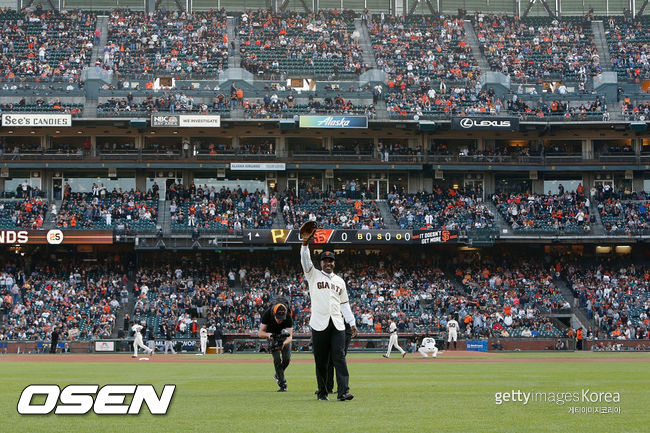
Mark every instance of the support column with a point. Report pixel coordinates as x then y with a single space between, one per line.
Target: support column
588 182
93 145
538 186
587 149
637 182
141 181
281 147
489 185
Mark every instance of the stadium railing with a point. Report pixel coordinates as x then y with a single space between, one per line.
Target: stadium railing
370 343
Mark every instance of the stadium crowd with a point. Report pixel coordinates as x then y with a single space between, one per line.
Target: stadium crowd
28 213
81 300
332 213
616 295
538 48
320 43
270 107
628 47
168 102
45 45
164 41
565 211
206 208
132 210
443 208
411 49
509 297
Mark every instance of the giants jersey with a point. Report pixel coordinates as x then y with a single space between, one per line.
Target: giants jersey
452 325
392 328
428 343
136 329
204 334
327 293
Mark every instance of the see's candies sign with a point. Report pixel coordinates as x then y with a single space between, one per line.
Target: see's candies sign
36 120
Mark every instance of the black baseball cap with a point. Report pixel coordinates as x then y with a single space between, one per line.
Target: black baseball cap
327 255
280 311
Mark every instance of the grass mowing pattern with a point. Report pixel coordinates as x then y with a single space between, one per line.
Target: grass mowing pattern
389 396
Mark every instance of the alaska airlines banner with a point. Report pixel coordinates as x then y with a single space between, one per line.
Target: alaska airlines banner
485 122
333 122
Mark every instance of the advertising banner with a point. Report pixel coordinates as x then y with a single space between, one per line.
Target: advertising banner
264 166
55 237
333 121
475 123
477 345
36 120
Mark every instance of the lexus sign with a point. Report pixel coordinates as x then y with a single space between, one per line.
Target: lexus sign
484 122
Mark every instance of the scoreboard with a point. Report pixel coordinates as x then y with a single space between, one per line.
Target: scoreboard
360 237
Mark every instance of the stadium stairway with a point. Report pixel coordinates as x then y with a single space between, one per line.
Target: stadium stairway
98 50
163 217
601 45
119 320
234 60
389 221
450 275
578 316
49 219
90 108
366 45
500 223
278 221
382 110
473 43
597 228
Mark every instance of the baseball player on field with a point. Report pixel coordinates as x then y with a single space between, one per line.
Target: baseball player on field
329 304
428 346
203 334
452 332
392 342
137 342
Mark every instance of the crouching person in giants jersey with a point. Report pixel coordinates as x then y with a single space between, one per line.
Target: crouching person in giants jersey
428 346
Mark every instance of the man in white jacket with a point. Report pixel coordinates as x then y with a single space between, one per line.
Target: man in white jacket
329 304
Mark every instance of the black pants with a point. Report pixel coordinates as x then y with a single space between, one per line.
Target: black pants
281 360
326 342
330 364
53 346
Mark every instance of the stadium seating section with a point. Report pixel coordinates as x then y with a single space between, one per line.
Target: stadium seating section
629 42
45 45
275 44
179 44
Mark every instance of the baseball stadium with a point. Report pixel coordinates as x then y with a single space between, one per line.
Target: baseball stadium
317 216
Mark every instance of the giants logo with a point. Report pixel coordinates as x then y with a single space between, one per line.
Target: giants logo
109 400
326 285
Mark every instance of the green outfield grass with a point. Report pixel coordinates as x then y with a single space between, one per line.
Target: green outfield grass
390 396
